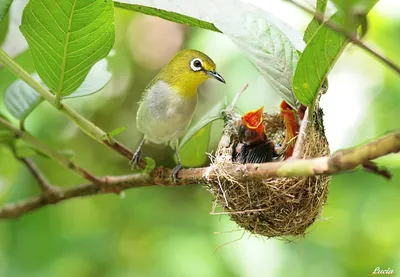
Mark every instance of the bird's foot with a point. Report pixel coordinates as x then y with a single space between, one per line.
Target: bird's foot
175 171
134 162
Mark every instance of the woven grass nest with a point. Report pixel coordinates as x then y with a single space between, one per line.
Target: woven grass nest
274 207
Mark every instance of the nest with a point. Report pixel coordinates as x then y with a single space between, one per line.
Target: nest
274 207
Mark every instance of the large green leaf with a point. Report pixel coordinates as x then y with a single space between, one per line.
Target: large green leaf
317 59
355 7
194 152
266 41
171 16
355 12
208 110
315 23
194 144
4 6
270 51
21 99
98 78
67 38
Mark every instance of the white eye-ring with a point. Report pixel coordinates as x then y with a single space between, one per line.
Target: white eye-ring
196 64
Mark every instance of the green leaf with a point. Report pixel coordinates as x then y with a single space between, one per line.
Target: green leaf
194 144
266 41
315 23
99 76
317 59
67 38
355 6
270 51
21 99
150 165
194 152
355 12
167 15
4 28
115 132
4 6
208 110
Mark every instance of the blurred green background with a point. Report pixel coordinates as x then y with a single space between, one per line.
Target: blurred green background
157 231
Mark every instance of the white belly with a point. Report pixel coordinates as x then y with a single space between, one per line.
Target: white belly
163 116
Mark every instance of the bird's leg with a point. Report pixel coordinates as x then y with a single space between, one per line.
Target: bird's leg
136 156
177 168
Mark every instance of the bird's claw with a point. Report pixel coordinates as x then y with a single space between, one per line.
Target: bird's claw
135 159
175 171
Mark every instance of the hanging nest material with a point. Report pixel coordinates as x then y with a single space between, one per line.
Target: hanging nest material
274 207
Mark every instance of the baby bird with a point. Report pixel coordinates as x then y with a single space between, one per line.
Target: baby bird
253 146
169 101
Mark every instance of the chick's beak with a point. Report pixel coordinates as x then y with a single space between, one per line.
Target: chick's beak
215 75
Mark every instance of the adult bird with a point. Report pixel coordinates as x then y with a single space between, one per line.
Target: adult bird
169 101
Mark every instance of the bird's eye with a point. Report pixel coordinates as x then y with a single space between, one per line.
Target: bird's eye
196 64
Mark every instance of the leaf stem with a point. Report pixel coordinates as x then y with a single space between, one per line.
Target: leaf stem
85 125
58 101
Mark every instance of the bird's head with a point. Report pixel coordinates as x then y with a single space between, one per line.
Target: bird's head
252 127
188 70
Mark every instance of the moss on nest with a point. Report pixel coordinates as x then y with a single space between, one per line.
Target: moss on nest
274 207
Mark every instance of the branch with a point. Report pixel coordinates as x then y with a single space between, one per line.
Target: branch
40 178
298 147
43 148
349 35
44 185
341 161
85 125
236 98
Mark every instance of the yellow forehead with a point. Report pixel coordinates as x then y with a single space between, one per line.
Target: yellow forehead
184 57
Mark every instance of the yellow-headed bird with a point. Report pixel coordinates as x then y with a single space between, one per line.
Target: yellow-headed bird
169 101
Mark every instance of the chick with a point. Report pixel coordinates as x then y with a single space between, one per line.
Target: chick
253 146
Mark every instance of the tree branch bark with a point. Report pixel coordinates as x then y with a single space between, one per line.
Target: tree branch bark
44 185
340 161
43 148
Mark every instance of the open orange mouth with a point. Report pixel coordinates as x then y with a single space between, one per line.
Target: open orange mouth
253 120
292 127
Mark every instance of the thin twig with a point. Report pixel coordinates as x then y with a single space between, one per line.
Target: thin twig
44 185
43 148
236 98
349 35
37 174
298 147
341 161
374 168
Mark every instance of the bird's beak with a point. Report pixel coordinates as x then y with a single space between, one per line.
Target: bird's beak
253 119
215 75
